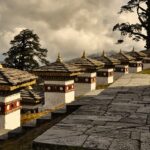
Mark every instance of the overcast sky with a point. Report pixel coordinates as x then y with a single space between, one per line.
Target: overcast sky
65 26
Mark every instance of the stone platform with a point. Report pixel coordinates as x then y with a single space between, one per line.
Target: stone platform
116 119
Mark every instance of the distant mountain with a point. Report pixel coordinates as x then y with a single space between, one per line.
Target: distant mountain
108 53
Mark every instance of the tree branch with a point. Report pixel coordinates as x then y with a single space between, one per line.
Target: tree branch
130 29
140 19
142 8
139 34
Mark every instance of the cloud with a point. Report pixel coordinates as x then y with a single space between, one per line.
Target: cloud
66 26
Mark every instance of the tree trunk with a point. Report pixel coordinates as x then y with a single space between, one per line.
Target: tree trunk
148 25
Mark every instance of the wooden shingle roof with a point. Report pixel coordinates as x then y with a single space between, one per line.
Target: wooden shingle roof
107 60
121 56
147 52
59 68
29 96
137 54
13 77
86 62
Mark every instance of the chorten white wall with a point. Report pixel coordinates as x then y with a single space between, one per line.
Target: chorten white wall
146 63
58 93
135 67
146 66
84 83
105 76
120 70
10 111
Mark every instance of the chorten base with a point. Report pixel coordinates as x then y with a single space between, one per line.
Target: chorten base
120 70
105 76
85 83
58 93
135 67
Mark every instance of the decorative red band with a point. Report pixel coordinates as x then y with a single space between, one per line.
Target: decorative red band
121 69
135 65
59 88
104 74
146 61
85 79
6 108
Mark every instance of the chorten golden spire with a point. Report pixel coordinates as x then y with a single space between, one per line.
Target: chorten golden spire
120 51
133 50
84 55
59 59
103 53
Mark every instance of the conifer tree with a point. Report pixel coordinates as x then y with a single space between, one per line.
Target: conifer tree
26 52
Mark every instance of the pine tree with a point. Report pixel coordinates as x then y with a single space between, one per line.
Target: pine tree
26 52
135 31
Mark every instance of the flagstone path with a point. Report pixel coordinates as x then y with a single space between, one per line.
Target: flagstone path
116 119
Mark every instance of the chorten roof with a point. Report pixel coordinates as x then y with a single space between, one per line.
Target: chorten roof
136 54
123 57
59 68
86 62
11 79
31 97
106 59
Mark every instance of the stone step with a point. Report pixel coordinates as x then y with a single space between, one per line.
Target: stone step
15 132
44 119
72 107
59 113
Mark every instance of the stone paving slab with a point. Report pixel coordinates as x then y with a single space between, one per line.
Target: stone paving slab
118 118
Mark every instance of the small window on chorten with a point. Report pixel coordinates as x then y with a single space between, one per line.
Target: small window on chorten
61 88
49 88
86 79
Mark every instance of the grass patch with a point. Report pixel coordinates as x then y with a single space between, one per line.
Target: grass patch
28 117
78 97
146 71
32 116
102 86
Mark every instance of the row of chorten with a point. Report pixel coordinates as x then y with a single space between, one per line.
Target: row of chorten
64 80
